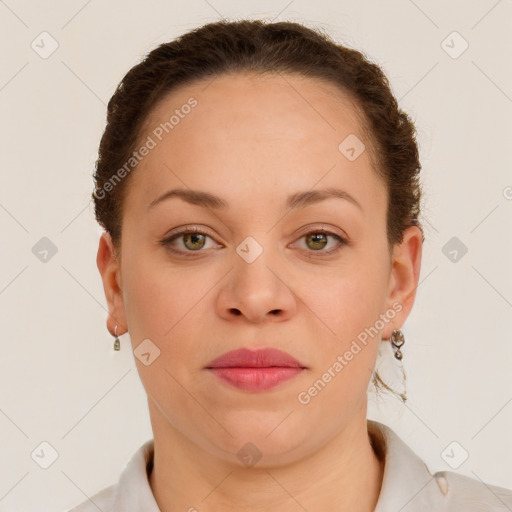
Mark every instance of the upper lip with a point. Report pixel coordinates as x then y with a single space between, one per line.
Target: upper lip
260 358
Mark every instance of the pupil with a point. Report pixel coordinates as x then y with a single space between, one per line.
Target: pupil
316 236
193 237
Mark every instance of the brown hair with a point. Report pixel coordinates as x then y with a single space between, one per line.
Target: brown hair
257 46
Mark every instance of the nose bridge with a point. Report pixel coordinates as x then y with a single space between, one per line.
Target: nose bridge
255 257
256 288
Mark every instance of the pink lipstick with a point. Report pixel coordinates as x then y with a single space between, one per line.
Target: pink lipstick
255 370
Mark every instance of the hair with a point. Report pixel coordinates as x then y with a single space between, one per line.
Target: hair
260 47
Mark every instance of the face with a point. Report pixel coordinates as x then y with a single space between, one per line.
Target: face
275 263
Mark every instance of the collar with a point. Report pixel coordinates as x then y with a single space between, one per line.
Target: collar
133 491
407 483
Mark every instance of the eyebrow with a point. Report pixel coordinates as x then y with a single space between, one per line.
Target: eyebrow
294 201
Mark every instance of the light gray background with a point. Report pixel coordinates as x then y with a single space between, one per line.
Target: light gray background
62 383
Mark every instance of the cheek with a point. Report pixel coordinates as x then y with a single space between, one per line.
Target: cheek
347 344
149 304
349 305
163 305
151 296
348 300
165 302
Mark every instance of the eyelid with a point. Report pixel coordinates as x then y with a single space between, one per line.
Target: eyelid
322 228
189 228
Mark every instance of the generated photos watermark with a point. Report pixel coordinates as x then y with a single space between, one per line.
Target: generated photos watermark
150 143
304 397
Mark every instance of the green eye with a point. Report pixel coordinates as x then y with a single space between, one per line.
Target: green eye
317 240
194 240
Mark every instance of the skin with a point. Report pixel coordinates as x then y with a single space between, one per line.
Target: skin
253 140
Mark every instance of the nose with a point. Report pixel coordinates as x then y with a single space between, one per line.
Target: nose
256 292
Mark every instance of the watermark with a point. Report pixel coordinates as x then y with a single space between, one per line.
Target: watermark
44 44
351 147
507 192
44 250
454 249
454 455
149 144
304 397
146 352
249 454
454 44
174 120
44 455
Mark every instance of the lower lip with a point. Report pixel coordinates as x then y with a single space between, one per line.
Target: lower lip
256 379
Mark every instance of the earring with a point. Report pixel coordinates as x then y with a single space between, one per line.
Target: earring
117 344
397 340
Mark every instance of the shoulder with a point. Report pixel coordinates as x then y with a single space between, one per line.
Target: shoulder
132 490
409 486
103 500
469 494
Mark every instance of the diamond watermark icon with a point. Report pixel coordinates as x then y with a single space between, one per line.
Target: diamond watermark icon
454 249
351 147
454 45
44 250
146 352
44 455
454 455
249 249
249 454
44 45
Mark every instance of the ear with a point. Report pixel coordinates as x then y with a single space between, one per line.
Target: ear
110 271
403 281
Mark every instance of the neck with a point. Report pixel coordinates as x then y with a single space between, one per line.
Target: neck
344 474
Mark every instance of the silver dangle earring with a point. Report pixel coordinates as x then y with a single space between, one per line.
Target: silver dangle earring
397 340
117 344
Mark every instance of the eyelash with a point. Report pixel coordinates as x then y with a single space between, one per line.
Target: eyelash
167 241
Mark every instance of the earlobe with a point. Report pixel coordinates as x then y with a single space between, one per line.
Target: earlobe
109 268
405 271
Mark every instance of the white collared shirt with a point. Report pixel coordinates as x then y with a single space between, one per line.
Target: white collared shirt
407 485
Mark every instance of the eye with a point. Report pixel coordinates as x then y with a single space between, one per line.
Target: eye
193 239
318 239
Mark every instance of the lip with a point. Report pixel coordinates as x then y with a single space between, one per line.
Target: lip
255 370
260 358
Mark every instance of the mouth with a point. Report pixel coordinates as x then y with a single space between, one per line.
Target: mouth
255 370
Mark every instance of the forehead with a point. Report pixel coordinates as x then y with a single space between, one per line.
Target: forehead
247 101
273 133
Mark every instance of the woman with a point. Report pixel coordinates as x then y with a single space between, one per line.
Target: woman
259 190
